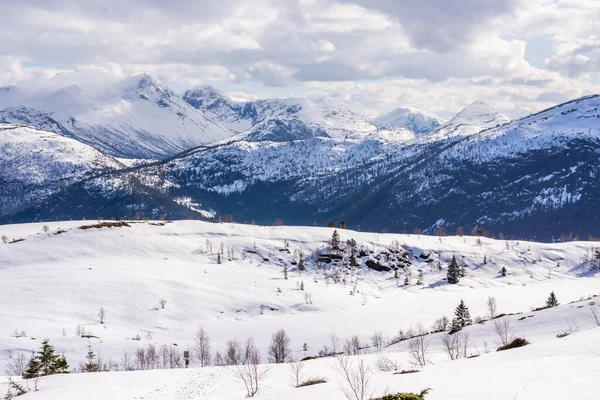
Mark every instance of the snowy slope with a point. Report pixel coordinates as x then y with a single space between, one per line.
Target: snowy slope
416 121
56 282
36 163
136 117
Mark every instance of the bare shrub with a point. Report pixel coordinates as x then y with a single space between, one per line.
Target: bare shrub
146 358
202 342
296 368
504 330
279 350
377 340
418 347
356 378
492 307
219 361
385 364
16 365
250 372
162 303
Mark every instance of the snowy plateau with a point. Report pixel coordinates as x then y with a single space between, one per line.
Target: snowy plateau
57 276
136 147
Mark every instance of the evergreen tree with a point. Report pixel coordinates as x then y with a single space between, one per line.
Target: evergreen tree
552 300
335 240
503 272
484 260
462 317
46 363
302 285
453 273
406 281
285 271
351 243
218 258
396 274
301 262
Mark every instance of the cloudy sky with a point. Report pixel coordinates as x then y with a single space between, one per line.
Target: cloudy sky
375 55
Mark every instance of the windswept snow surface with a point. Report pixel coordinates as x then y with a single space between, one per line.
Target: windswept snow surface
54 282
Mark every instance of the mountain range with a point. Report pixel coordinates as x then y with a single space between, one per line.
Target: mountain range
137 147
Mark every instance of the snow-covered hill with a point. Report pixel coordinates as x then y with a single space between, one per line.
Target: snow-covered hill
56 281
417 121
138 117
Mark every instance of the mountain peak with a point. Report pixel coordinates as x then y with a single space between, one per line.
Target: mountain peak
480 113
413 119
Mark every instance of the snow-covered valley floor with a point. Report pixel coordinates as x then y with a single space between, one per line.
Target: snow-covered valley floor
52 283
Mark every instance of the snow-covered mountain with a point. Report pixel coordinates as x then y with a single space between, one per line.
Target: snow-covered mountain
473 119
138 117
311 161
417 121
281 119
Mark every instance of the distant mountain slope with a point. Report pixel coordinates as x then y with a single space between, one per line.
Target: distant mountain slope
137 117
34 164
416 121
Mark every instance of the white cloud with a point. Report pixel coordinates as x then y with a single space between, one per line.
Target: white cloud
376 54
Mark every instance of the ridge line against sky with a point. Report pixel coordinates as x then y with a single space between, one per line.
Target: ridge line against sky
374 55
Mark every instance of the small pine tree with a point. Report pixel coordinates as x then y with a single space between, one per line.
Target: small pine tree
218 258
301 262
34 367
302 285
285 271
484 260
395 274
462 317
552 300
453 273
335 240
503 272
90 365
406 281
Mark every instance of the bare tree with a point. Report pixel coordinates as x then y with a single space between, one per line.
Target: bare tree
335 342
250 372
219 359
102 315
385 364
595 313
202 347
352 346
418 347
492 307
377 340
504 330
279 350
46 228
162 303
4 239
441 324
456 345
356 378
296 368
233 353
